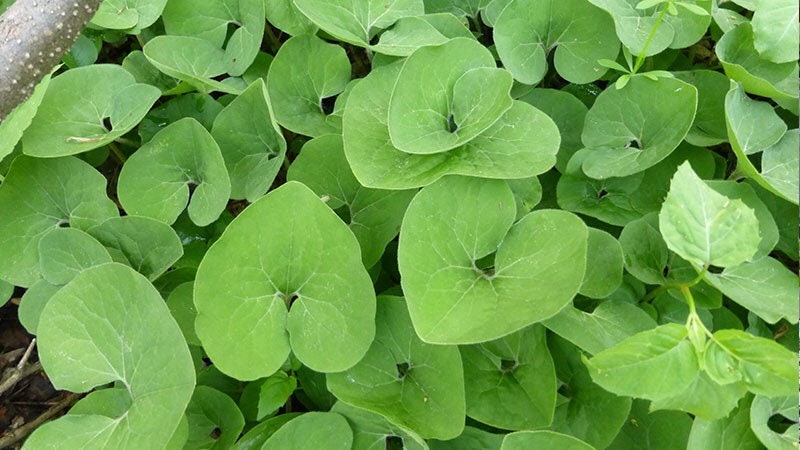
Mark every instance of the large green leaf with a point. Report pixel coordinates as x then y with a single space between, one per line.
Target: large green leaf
285 275
109 324
581 34
210 21
589 412
65 252
765 366
181 165
285 16
524 440
191 59
128 15
72 119
312 430
729 433
631 129
445 96
608 325
215 421
741 61
416 385
764 410
371 431
356 21
412 32
150 247
44 194
775 30
637 366
373 215
705 227
522 144
780 165
646 253
704 398
307 70
250 142
509 375
454 294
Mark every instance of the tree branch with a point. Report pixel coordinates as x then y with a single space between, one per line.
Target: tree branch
34 35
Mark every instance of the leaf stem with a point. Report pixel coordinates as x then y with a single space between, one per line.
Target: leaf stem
126 141
642 54
115 150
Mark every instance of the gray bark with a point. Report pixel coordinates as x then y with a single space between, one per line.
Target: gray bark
34 35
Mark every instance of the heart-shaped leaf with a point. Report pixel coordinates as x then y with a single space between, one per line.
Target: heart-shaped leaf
181 165
299 286
109 324
458 290
579 33
65 124
399 368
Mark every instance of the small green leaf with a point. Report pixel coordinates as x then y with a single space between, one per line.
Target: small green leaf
524 440
581 34
214 420
765 366
285 16
72 119
763 410
191 59
305 72
636 367
109 324
604 275
293 275
372 431
155 181
181 305
411 33
65 252
254 439
130 16
415 385
694 9
708 127
779 165
312 430
453 296
263 398
612 65
705 227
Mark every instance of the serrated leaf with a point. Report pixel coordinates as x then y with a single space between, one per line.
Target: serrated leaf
426 381
705 227
581 34
110 325
454 299
299 287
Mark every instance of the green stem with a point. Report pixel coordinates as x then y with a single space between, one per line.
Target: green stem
126 141
642 54
115 150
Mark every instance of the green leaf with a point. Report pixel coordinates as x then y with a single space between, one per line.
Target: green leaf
708 127
250 142
6 291
211 21
742 63
150 247
637 366
65 252
775 30
72 119
307 70
263 398
581 34
506 376
371 431
765 366
604 275
413 32
201 107
633 26
373 215
254 439
763 410
144 72
767 229
453 297
13 126
589 412
214 420
285 16
155 181
705 227
522 144
779 165
646 253
413 384
110 325
704 398
631 129
130 16
292 273
470 439
458 8
356 22
33 302
312 430
45 194
523 440
181 305
445 96
658 430
191 59
610 323
729 433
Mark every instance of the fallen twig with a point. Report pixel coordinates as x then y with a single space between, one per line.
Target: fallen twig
13 436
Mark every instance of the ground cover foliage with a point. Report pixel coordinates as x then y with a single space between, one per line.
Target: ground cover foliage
408 224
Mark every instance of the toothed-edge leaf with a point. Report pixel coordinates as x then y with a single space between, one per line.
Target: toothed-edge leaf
578 32
155 181
287 247
705 227
425 380
457 297
637 366
312 430
43 195
109 324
